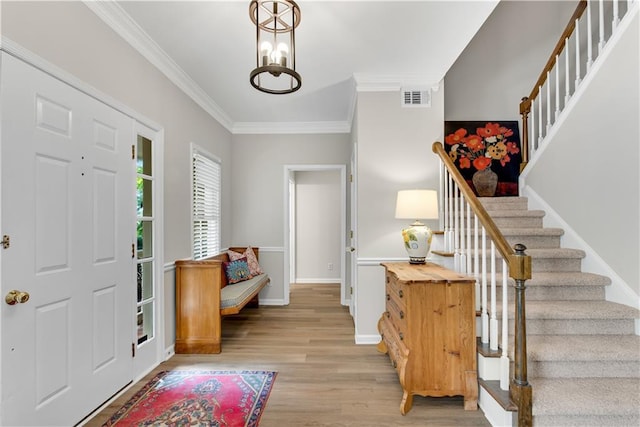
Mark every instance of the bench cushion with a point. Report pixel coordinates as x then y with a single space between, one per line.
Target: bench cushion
238 293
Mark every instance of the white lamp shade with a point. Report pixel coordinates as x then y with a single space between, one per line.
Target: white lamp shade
417 204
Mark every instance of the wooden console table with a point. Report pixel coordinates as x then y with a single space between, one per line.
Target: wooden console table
429 332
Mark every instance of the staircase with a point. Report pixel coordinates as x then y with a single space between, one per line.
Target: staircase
583 354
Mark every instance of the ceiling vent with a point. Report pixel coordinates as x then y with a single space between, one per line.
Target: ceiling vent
416 97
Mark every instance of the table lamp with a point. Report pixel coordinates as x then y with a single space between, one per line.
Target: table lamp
417 205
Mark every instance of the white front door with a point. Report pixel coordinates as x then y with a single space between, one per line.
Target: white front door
67 197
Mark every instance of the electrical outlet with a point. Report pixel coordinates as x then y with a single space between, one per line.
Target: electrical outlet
330 266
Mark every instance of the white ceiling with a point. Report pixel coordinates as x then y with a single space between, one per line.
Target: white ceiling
208 49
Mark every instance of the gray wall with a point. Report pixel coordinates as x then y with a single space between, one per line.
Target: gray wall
258 188
503 61
318 219
394 153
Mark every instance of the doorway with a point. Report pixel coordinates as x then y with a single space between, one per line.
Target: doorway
318 180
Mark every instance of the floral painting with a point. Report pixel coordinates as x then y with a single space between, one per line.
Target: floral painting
479 148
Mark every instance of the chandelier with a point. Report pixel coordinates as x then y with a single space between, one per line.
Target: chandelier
275 21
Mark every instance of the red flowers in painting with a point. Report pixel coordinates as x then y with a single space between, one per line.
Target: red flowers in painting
480 149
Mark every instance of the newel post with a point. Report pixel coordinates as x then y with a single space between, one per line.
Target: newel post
525 108
520 390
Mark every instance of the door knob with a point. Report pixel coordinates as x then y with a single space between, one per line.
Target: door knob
16 297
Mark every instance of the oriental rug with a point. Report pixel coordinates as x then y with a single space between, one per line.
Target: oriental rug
202 398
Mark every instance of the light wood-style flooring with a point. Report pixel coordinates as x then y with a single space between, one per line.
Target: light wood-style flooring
324 379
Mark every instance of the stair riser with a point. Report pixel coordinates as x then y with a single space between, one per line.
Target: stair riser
518 222
505 204
578 326
544 264
585 420
501 207
535 242
583 369
559 293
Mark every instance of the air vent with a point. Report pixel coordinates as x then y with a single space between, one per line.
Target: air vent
416 98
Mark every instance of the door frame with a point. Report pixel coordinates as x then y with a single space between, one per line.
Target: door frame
153 356
289 170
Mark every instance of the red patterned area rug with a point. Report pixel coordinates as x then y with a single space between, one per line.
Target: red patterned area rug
202 398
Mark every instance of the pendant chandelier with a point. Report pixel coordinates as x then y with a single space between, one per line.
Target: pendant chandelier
275 21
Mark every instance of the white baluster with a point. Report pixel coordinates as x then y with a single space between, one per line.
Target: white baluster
601 24
577 56
450 202
485 315
589 38
445 216
567 88
557 88
493 330
548 84
616 16
456 230
442 187
532 137
539 115
468 238
476 259
504 358
463 249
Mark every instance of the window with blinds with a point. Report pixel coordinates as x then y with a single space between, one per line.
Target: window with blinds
206 204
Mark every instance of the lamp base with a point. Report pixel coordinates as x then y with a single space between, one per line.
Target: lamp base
417 242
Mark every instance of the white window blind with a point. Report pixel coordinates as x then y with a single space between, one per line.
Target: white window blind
206 206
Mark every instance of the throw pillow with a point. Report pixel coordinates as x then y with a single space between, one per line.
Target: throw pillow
237 270
252 260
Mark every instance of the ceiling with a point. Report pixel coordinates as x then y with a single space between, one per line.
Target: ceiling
208 49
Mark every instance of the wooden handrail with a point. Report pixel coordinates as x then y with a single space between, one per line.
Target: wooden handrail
519 264
525 104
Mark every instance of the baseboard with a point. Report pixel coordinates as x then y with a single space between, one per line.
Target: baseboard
367 339
169 352
272 301
330 281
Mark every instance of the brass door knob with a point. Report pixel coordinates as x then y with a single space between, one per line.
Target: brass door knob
16 297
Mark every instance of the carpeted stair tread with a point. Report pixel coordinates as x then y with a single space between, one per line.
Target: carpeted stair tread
573 348
585 397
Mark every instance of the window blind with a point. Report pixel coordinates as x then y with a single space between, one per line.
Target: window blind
206 206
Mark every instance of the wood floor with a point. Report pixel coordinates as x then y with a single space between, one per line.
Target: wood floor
324 379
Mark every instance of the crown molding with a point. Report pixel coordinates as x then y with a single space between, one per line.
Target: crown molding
290 127
116 18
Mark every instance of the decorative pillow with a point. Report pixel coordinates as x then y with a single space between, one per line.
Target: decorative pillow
237 270
252 260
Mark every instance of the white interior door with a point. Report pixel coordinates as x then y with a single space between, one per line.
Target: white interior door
67 197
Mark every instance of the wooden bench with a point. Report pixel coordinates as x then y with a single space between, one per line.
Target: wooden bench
203 296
